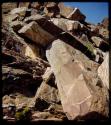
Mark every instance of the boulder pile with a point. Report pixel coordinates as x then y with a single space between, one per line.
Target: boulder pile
54 63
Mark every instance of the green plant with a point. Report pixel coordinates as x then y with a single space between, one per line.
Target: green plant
23 115
90 48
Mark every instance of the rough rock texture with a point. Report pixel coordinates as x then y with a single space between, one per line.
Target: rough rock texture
34 32
71 13
76 94
67 25
103 71
105 22
54 63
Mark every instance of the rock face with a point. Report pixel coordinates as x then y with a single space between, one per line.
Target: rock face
76 96
54 63
103 71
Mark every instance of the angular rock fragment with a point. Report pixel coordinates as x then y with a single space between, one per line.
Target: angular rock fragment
32 51
36 17
9 38
24 4
74 89
47 92
52 9
100 43
21 11
105 23
71 13
35 5
104 32
35 33
67 25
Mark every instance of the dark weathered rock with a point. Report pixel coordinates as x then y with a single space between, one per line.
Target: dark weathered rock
71 13
105 22
9 38
52 9
100 43
47 92
16 25
35 5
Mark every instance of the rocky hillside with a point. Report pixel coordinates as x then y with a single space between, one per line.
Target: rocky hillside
54 63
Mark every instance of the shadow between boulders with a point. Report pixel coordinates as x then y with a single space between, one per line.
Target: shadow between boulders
92 116
23 87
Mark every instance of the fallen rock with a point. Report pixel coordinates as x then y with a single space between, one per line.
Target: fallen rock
67 25
71 13
104 32
36 17
9 38
41 115
79 103
52 9
21 11
35 33
24 4
103 71
47 92
105 22
100 43
35 5
32 51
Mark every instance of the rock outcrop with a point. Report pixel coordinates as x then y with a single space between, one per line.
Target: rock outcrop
54 63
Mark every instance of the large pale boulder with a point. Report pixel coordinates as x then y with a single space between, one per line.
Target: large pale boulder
103 71
75 84
35 33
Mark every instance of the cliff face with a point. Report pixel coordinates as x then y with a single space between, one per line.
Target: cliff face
53 63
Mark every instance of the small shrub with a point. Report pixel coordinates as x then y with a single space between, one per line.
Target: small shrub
23 115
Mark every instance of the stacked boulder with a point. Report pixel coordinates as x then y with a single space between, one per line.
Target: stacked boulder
50 48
